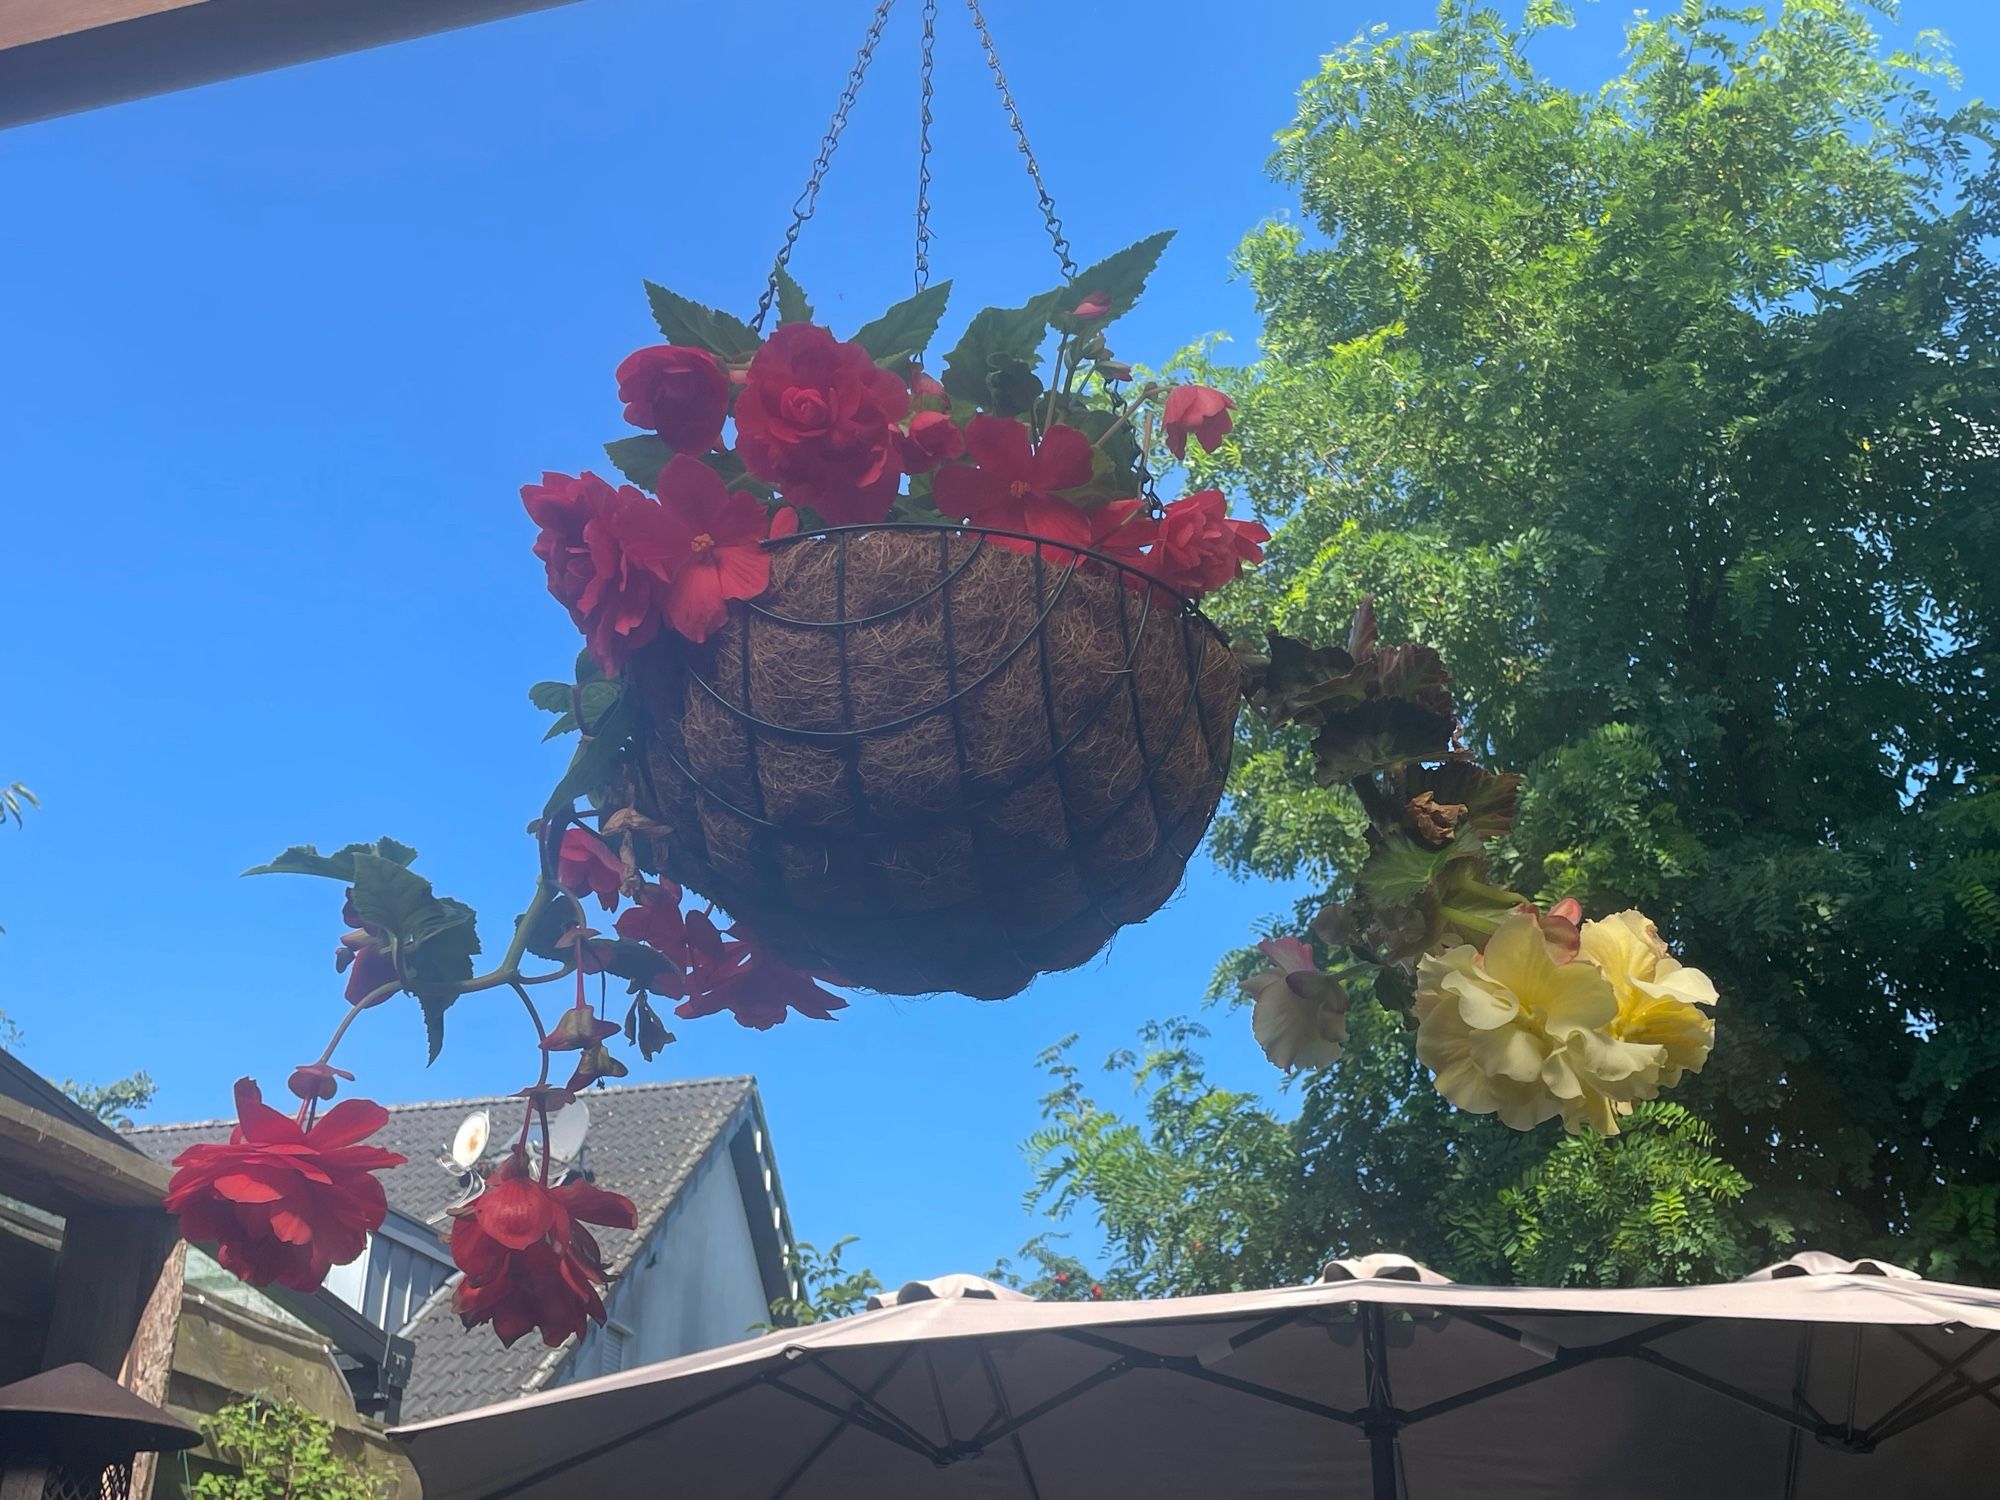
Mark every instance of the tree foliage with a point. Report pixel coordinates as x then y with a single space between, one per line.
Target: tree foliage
1671 413
826 1288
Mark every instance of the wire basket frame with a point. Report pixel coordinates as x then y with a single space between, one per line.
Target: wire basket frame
936 757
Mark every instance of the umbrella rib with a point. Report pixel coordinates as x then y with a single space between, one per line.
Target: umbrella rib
1924 1394
838 1428
1936 1407
866 1414
1001 1405
1567 1359
1649 1355
612 1444
1195 1370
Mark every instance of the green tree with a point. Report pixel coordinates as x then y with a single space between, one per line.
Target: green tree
1671 413
826 1288
279 1451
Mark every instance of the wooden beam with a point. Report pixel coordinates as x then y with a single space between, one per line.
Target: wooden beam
61 56
110 1268
149 1362
64 1168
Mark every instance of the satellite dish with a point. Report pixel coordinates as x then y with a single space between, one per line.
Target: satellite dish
567 1128
469 1144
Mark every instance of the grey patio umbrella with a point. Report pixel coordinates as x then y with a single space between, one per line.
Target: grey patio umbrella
1815 1380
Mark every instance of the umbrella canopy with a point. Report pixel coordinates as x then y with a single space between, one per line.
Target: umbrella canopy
78 1411
1818 1380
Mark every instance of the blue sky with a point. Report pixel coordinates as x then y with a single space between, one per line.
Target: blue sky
280 353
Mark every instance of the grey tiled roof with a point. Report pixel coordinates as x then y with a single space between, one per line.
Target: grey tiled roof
645 1141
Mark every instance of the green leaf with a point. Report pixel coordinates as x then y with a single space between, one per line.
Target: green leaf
1401 869
434 1007
304 859
906 328
686 322
792 304
1006 335
1120 277
598 756
560 698
643 966
640 458
387 895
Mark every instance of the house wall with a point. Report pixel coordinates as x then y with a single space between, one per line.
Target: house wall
696 1286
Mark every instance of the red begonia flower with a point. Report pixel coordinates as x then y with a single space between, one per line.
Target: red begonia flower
586 526
1199 547
743 978
528 1261
283 1202
1200 410
1094 306
1121 530
927 393
932 439
704 542
656 920
818 419
585 866
1012 485
682 394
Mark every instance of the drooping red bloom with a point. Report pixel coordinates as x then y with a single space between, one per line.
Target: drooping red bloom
562 505
927 393
932 439
528 1261
1012 485
704 543
281 1202
1199 410
1199 547
743 978
585 866
818 419
682 394
587 530
656 920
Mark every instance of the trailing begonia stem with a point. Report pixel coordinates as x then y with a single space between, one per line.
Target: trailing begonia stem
374 997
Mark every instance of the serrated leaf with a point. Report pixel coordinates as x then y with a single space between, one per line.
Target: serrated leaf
639 459
386 895
906 328
1401 869
1013 333
792 304
598 756
434 1008
686 322
304 859
1121 278
560 699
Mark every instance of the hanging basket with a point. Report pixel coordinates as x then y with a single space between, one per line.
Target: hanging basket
936 757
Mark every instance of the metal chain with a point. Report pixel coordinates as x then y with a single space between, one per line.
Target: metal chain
1021 135
802 206
923 271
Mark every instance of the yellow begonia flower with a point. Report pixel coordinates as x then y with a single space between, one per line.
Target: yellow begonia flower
1516 1034
1657 995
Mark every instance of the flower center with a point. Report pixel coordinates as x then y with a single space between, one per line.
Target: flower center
1019 489
702 542
804 408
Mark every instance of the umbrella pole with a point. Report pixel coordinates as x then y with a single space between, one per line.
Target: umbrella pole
1381 1420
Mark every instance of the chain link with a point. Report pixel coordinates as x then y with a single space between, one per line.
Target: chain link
802 206
923 272
1048 204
